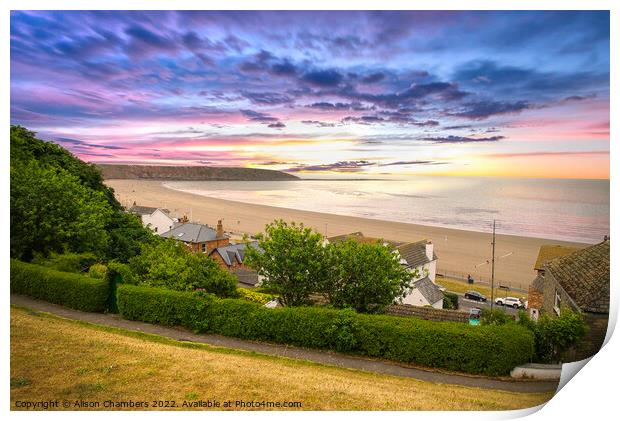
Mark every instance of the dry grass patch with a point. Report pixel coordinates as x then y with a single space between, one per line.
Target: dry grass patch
460 287
54 358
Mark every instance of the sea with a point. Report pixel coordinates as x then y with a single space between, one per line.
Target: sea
559 209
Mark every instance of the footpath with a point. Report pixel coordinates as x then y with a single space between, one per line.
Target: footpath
287 351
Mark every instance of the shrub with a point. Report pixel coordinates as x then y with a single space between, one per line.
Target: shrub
98 271
69 289
170 264
450 301
554 336
495 317
255 296
67 262
491 350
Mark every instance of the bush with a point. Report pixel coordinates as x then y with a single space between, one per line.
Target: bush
490 350
495 317
554 336
255 296
68 289
450 301
98 271
67 262
170 264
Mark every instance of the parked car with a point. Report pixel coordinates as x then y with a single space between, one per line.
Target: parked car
510 302
475 295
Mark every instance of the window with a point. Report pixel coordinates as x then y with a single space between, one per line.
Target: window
204 247
155 229
557 302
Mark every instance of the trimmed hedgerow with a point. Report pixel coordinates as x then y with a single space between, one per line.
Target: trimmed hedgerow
254 296
68 289
490 350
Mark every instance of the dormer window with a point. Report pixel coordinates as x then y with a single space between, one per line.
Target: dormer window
557 302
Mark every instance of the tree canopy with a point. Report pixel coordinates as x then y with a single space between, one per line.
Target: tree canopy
365 277
60 204
292 261
296 262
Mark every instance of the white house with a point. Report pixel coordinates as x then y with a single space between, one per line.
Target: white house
424 293
157 219
420 259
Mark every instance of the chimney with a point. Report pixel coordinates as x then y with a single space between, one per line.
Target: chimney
429 250
220 229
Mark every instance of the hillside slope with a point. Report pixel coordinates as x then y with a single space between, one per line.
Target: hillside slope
78 365
154 172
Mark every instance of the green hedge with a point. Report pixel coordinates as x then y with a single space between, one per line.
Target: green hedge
68 289
491 350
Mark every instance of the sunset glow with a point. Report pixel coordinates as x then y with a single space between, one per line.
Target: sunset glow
521 94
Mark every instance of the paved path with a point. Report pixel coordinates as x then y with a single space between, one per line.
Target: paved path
322 357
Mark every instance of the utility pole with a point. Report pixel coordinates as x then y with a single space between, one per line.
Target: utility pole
493 270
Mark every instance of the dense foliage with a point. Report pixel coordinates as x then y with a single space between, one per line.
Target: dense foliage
365 277
491 350
60 204
450 301
67 262
170 264
293 261
495 317
555 335
68 289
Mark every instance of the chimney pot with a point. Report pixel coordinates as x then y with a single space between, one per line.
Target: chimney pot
429 250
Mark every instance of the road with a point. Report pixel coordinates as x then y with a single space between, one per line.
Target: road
465 304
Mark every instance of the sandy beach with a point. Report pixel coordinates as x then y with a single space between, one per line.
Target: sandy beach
458 251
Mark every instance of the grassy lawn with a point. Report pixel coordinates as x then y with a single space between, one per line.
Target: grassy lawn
54 358
459 286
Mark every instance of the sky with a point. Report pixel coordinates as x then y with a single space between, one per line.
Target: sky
321 94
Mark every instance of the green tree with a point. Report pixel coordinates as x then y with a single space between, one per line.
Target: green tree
365 277
59 202
26 147
170 264
292 260
127 235
51 211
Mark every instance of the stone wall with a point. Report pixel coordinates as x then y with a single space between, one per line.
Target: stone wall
593 340
428 313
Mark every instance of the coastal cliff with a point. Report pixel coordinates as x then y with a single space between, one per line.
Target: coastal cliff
155 172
